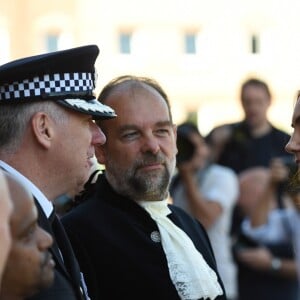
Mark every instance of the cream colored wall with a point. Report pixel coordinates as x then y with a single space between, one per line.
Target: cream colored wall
208 82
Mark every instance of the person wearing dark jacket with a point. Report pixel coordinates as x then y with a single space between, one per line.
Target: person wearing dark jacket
130 243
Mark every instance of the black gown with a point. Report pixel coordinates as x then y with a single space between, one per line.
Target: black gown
115 242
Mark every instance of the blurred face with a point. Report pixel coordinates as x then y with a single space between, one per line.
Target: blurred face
201 150
140 151
29 266
293 146
5 213
255 104
74 151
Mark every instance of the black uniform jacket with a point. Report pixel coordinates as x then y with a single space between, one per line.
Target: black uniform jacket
66 284
115 241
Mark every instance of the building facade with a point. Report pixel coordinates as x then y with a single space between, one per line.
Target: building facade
200 51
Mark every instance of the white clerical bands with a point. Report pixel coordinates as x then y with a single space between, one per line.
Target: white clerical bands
190 273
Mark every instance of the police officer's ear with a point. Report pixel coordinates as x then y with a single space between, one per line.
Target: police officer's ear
42 129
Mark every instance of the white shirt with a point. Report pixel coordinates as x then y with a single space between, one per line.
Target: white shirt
46 205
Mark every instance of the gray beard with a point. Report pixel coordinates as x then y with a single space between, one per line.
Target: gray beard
153 186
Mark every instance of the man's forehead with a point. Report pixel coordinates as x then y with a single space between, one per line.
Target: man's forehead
132 90
144 123
137 106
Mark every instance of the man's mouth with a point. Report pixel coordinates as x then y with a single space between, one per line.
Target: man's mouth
151 166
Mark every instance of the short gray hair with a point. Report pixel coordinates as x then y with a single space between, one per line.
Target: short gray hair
14 120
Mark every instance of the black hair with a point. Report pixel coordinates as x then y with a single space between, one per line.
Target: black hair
257 83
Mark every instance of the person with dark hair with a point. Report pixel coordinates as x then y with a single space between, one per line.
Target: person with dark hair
48 137
29 267
130 243
253 141
208 192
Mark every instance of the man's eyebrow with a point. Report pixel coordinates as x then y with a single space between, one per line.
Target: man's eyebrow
128 127
164 123
135 127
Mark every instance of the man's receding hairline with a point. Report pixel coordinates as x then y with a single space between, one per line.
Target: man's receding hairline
131 86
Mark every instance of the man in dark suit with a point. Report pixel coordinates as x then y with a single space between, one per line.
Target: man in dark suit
130 243
48 134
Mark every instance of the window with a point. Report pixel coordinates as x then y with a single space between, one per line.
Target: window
4 49
190 43
254 44
125 43
51 41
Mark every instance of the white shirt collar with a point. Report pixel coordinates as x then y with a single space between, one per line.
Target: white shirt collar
46 205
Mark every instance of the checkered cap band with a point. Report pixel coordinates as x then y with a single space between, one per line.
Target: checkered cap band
48 85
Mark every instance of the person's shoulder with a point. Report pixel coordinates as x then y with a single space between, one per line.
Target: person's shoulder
279 138
222 128
222 133
223 185
279 132
179 212
219 170
191 226
92 189
226 125
184 218
77 214
86 205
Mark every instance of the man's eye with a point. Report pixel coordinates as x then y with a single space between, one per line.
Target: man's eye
163 131
129 135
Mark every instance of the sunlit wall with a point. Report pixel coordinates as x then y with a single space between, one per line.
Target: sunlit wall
200 51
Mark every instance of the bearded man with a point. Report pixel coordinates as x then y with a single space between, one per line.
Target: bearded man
130 243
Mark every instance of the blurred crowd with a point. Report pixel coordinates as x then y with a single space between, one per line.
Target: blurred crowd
256 256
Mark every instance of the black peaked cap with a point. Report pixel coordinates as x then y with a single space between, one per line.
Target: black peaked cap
66 76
